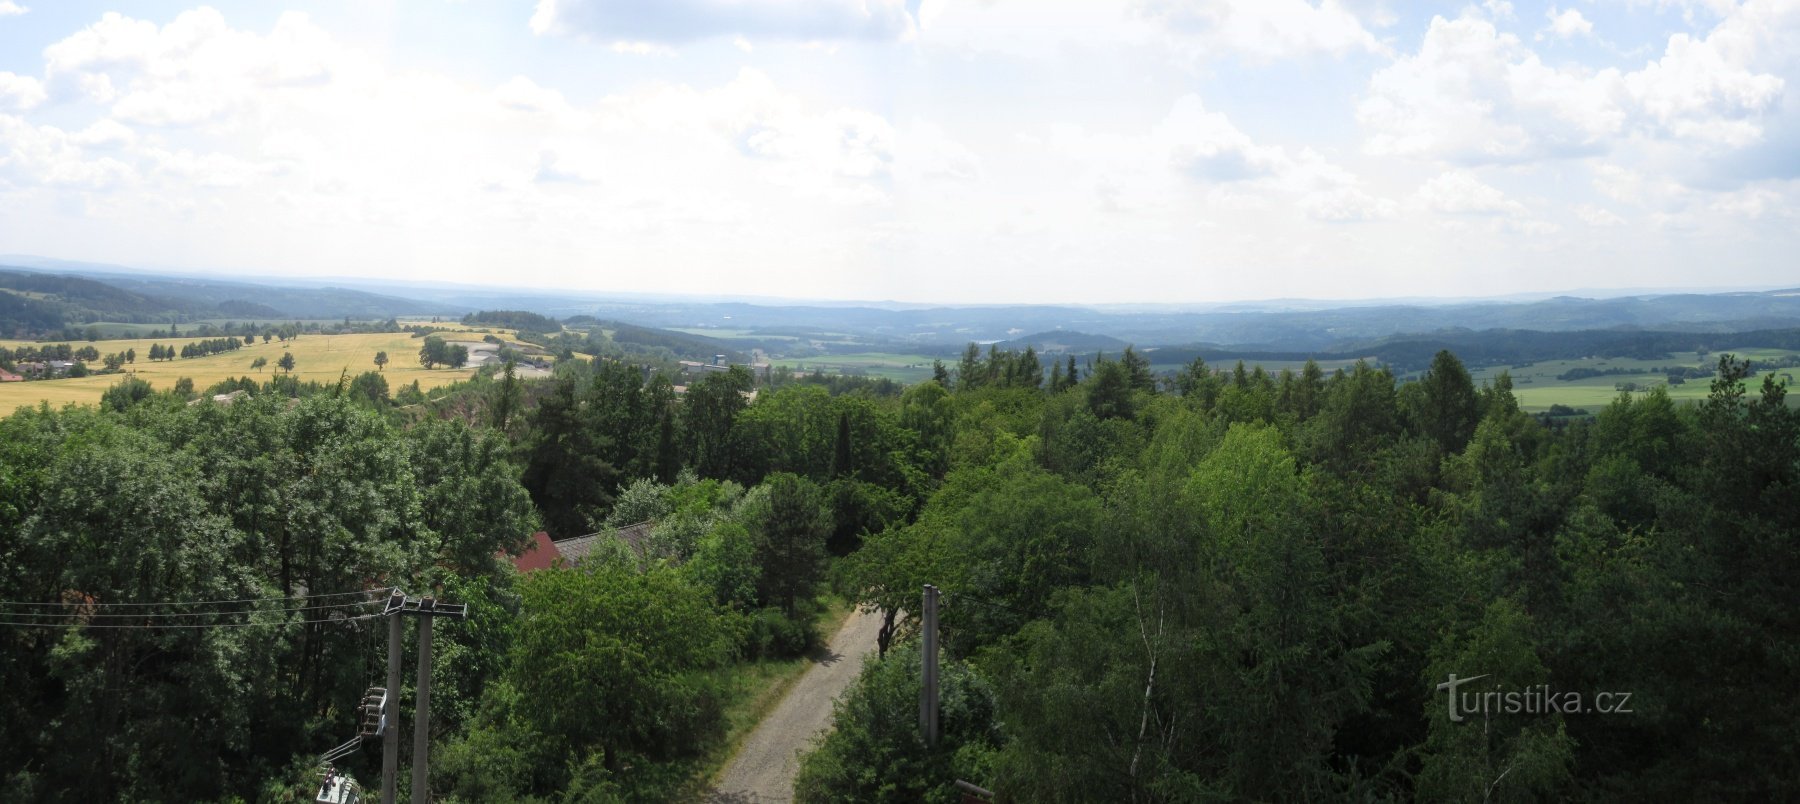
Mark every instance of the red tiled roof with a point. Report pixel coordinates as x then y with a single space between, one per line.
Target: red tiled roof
542 554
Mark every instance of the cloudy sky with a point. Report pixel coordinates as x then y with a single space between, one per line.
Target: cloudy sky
943 150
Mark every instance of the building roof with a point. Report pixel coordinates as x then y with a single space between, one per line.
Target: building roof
540 554
7 376
578 548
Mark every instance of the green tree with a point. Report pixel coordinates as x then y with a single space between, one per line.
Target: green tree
709 414
874 752
566 470
611 668
506 397
287 362
259 363
970 372
1490 754
1446 410
1030 373
1109 390
433 352
370 387
790 544
381 361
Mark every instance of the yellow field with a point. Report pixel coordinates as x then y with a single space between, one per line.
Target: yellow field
316 357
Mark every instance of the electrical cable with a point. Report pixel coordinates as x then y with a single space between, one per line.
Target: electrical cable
383 591
87 615
192 625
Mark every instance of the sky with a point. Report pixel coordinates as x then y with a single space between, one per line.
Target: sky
936 150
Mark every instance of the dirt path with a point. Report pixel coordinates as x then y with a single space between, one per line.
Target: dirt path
764 768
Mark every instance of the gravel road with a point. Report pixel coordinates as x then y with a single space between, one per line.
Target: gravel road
764 768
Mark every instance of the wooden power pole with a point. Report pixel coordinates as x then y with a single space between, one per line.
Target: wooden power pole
928 654
426 609
390 739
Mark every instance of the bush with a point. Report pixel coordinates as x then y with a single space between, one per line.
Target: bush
770 633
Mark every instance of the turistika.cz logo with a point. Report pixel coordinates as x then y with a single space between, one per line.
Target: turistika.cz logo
1537 699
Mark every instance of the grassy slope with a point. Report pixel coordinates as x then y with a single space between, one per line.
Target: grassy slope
1537 388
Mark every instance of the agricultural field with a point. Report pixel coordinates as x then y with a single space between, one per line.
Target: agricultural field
1537 388
316 357
897 367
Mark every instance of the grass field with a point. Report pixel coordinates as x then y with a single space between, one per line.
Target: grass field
1537 388
897 367
316 357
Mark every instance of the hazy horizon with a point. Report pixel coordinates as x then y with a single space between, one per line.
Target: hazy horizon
380 283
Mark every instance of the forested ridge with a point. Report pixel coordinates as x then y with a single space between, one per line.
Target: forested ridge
1222 585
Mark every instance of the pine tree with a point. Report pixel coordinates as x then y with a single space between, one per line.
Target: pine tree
1030 373
970 373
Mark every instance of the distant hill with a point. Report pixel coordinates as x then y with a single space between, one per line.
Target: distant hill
286 301
35 303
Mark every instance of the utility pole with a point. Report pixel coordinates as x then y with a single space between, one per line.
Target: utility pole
928 654
426 609
390 739
422 710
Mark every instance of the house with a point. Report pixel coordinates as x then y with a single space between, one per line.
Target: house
636 537
7 376
540 554
544 553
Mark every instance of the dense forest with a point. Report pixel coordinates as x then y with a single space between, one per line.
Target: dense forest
1228 585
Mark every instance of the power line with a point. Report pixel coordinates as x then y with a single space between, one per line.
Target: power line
192 625
383 591
189 613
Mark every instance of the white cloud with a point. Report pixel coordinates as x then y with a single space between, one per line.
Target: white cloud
19 92
1472 94
8 8
1754 203
1567 24
33 155
1700 90
105 133
1598 217
248 138
1458 192
1347 204
643 48
1262 29
675 22
1195 152
195 70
